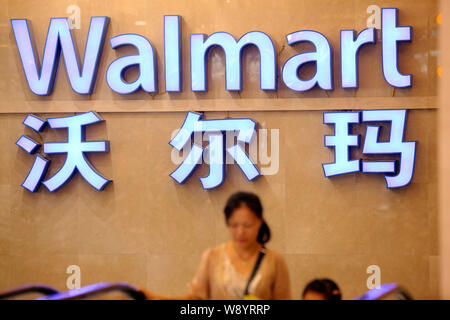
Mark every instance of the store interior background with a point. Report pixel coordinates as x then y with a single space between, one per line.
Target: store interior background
147 230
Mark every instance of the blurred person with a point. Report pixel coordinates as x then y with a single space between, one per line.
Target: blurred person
322 289
242 268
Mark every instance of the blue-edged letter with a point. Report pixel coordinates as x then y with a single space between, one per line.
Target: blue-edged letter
349 54
172 53
322 57
147 79
391 34
59 38
75 149
199 54
214 128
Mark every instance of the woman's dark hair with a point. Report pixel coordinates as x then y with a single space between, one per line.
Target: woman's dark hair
252 202
328 288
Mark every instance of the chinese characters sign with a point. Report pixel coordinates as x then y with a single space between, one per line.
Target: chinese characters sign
41 75
396 174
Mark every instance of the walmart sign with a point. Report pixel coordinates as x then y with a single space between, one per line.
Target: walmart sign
41 75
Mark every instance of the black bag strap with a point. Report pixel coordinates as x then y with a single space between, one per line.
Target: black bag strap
261 255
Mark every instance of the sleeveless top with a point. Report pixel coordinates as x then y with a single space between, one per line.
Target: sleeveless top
217 279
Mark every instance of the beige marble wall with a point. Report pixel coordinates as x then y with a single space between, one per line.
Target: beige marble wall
147 230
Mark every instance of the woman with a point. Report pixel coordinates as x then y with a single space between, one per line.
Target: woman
224 271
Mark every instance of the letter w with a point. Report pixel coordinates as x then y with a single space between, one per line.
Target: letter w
59 38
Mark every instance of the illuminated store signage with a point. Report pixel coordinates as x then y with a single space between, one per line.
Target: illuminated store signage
74 148
192 124
397 174
41 75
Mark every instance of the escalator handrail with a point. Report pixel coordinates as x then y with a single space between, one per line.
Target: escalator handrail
29 288
384 290
96 289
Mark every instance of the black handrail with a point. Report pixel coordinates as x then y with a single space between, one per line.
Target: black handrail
385 290
96 289
29 288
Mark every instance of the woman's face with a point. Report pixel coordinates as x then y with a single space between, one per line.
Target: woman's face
244 226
